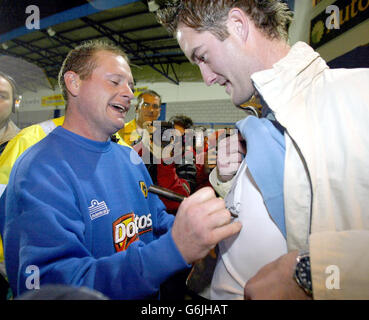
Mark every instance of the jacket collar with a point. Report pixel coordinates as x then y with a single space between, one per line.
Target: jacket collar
288 76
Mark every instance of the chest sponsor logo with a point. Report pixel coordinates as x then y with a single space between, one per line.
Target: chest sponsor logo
127 229
97 209
143 188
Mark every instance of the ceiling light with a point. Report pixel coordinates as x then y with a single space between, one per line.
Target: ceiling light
51 32
153 6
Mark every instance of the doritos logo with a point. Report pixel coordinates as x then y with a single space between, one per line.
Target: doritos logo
143 188
127 229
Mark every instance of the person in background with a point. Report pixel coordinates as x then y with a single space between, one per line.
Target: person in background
70 226
26 138
188 169
181 123
170 176
178 177
8 100
147 110
309 161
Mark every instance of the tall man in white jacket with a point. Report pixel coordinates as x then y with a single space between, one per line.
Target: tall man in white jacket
322 115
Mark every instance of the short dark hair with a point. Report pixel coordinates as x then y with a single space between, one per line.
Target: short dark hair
182 120
272 17
82 61
149 92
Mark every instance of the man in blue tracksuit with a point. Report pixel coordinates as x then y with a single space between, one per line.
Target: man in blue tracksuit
77 210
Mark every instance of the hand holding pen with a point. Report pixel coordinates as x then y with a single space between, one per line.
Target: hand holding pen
202 220
170 195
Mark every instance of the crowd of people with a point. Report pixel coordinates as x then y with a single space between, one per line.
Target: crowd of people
75 207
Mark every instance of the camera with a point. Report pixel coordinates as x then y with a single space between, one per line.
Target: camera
164 133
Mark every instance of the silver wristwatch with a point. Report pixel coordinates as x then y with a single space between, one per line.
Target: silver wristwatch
302 273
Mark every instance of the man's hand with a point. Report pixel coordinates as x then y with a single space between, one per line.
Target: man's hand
230 153
202 220
275 281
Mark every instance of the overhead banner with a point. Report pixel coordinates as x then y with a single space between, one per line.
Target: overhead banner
52 101
336 19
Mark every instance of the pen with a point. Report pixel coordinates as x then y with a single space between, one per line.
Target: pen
170 195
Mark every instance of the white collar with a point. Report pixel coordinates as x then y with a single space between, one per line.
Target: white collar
289 75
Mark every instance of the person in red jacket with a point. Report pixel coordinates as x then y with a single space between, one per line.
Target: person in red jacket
165 170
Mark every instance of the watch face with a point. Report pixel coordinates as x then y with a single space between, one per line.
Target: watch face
303 274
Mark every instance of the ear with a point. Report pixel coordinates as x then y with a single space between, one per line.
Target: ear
238 23
72 82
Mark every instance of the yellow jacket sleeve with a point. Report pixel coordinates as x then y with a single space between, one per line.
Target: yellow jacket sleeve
20 143
15 147
121 142
129 132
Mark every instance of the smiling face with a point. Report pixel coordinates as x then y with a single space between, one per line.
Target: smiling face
6 100
100 103
229 63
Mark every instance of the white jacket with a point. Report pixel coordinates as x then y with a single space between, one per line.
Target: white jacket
326 181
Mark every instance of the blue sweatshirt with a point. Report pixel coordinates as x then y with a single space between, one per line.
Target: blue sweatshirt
78 211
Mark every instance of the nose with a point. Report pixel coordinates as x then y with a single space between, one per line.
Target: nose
208 76
126 92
